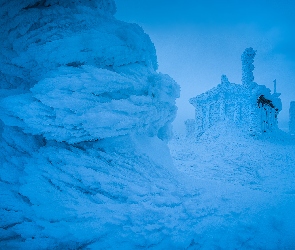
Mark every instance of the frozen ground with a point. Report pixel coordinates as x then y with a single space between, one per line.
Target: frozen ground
84 162
246 197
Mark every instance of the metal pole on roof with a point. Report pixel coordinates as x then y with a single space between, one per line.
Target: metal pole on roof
275 86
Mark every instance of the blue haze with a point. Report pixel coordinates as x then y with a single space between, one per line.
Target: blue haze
197 41
85 119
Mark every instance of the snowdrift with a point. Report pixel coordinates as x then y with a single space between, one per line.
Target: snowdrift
246 189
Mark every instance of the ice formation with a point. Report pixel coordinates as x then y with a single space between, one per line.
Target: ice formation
248 67
84 119
84 162
292 118
250 106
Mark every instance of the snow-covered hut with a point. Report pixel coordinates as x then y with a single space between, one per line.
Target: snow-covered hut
248 105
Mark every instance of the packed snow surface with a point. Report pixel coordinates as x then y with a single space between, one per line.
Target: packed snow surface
246 185
84 163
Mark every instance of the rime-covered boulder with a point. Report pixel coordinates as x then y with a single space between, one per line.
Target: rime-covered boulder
78 65
84 119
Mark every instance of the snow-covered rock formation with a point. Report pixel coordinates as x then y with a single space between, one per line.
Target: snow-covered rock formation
250 106
292 118
84 119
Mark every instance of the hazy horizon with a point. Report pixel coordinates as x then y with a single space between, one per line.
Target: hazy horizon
198 41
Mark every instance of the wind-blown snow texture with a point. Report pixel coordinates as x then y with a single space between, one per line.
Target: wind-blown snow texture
83 118
84 162
246 197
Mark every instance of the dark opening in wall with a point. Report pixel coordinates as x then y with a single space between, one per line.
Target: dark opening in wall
262 100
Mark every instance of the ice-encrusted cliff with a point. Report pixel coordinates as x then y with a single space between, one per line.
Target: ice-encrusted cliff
84 119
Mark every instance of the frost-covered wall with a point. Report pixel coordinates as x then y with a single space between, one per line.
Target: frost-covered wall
84 118
292 118
250 106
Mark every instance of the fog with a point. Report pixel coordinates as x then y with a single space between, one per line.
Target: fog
197 42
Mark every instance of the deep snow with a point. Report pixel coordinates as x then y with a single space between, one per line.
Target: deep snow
246 187
85 119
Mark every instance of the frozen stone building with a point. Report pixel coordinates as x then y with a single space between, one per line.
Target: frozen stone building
248 105
292 118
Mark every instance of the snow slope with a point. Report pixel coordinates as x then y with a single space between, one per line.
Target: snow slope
247 187
84 162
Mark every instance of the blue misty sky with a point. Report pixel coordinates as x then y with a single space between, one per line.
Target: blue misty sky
197 41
